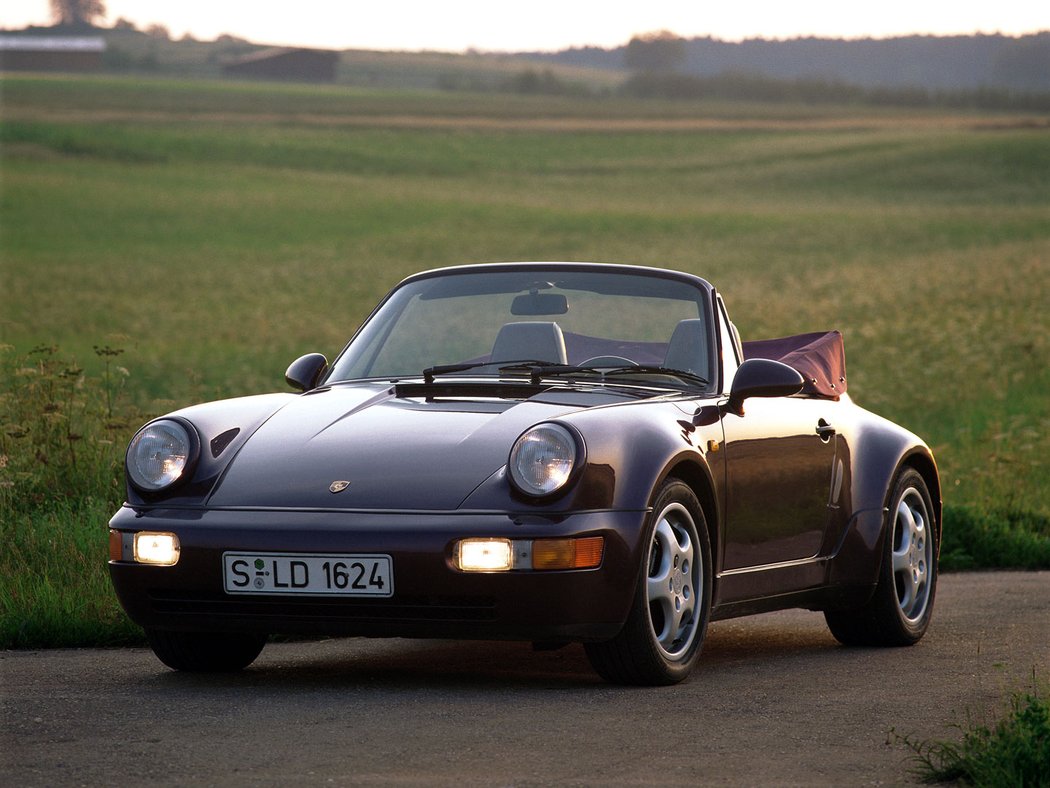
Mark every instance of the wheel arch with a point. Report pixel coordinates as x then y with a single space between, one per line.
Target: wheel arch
924 464
697 476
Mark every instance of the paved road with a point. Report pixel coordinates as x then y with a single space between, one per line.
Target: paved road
774 701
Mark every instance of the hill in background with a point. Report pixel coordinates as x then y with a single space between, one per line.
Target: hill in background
935 63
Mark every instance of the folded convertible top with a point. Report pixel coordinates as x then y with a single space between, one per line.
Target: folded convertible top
819 357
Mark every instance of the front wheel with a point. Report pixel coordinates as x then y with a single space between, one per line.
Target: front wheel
665 628
205 652
899 612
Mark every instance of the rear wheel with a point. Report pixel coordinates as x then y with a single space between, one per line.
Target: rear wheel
205 652
899 612
661 639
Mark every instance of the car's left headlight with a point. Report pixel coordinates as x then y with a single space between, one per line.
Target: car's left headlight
543 458
160 454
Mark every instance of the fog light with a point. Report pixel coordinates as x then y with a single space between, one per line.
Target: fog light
484 555
585 553
156 548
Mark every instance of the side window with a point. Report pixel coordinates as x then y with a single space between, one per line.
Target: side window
729 342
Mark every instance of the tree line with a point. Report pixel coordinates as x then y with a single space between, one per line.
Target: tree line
931 62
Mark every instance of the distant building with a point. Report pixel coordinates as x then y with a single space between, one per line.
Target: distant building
51 53
301 65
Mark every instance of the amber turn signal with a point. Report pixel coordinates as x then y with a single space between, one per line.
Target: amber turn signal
583 553
116 551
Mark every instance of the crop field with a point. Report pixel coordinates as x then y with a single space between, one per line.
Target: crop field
179 241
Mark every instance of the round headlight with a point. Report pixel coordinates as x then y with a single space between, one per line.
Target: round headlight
542 459
159 454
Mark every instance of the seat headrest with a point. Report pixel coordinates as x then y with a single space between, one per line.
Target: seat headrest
529 341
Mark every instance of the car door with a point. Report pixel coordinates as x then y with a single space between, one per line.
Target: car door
780 457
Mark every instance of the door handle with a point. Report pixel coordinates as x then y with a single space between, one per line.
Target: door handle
825 430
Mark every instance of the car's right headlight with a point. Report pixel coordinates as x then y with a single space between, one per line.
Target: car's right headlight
542 459
160 454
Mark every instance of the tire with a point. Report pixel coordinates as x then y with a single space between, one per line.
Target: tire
665 628
900 610
205 652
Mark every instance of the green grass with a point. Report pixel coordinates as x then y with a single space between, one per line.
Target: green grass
215 231
56 589
994 539
1014 752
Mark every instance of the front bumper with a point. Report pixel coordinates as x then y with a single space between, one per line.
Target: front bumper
432 598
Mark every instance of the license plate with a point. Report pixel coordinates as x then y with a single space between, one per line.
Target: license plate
298 573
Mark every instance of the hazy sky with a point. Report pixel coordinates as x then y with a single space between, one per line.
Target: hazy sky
456 25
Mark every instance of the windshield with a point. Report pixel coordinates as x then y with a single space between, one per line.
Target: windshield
583 318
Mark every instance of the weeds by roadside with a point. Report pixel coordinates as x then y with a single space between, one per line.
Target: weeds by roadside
62 431
62 438
1013 752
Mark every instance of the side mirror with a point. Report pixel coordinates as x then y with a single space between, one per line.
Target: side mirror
305 371
762 377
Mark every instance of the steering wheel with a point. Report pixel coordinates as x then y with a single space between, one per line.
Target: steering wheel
608 361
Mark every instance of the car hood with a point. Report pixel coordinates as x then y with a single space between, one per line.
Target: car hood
396 452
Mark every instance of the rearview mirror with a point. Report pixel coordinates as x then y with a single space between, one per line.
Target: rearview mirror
539 304
762 377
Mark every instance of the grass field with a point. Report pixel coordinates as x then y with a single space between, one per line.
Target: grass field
213 232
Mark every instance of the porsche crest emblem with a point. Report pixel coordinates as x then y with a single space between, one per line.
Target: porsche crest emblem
338 486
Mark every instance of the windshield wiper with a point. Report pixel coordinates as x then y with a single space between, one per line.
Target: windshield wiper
538 370
681 374
448 369
544 369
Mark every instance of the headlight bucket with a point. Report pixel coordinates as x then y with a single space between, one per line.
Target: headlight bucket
162 454
544 459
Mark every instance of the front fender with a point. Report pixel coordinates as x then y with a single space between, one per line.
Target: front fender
223 427
630 450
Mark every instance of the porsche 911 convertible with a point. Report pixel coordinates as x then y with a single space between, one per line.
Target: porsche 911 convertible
546 452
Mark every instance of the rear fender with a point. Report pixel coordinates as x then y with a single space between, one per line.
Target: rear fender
881 450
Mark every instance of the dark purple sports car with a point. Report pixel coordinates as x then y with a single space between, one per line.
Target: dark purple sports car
550 452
